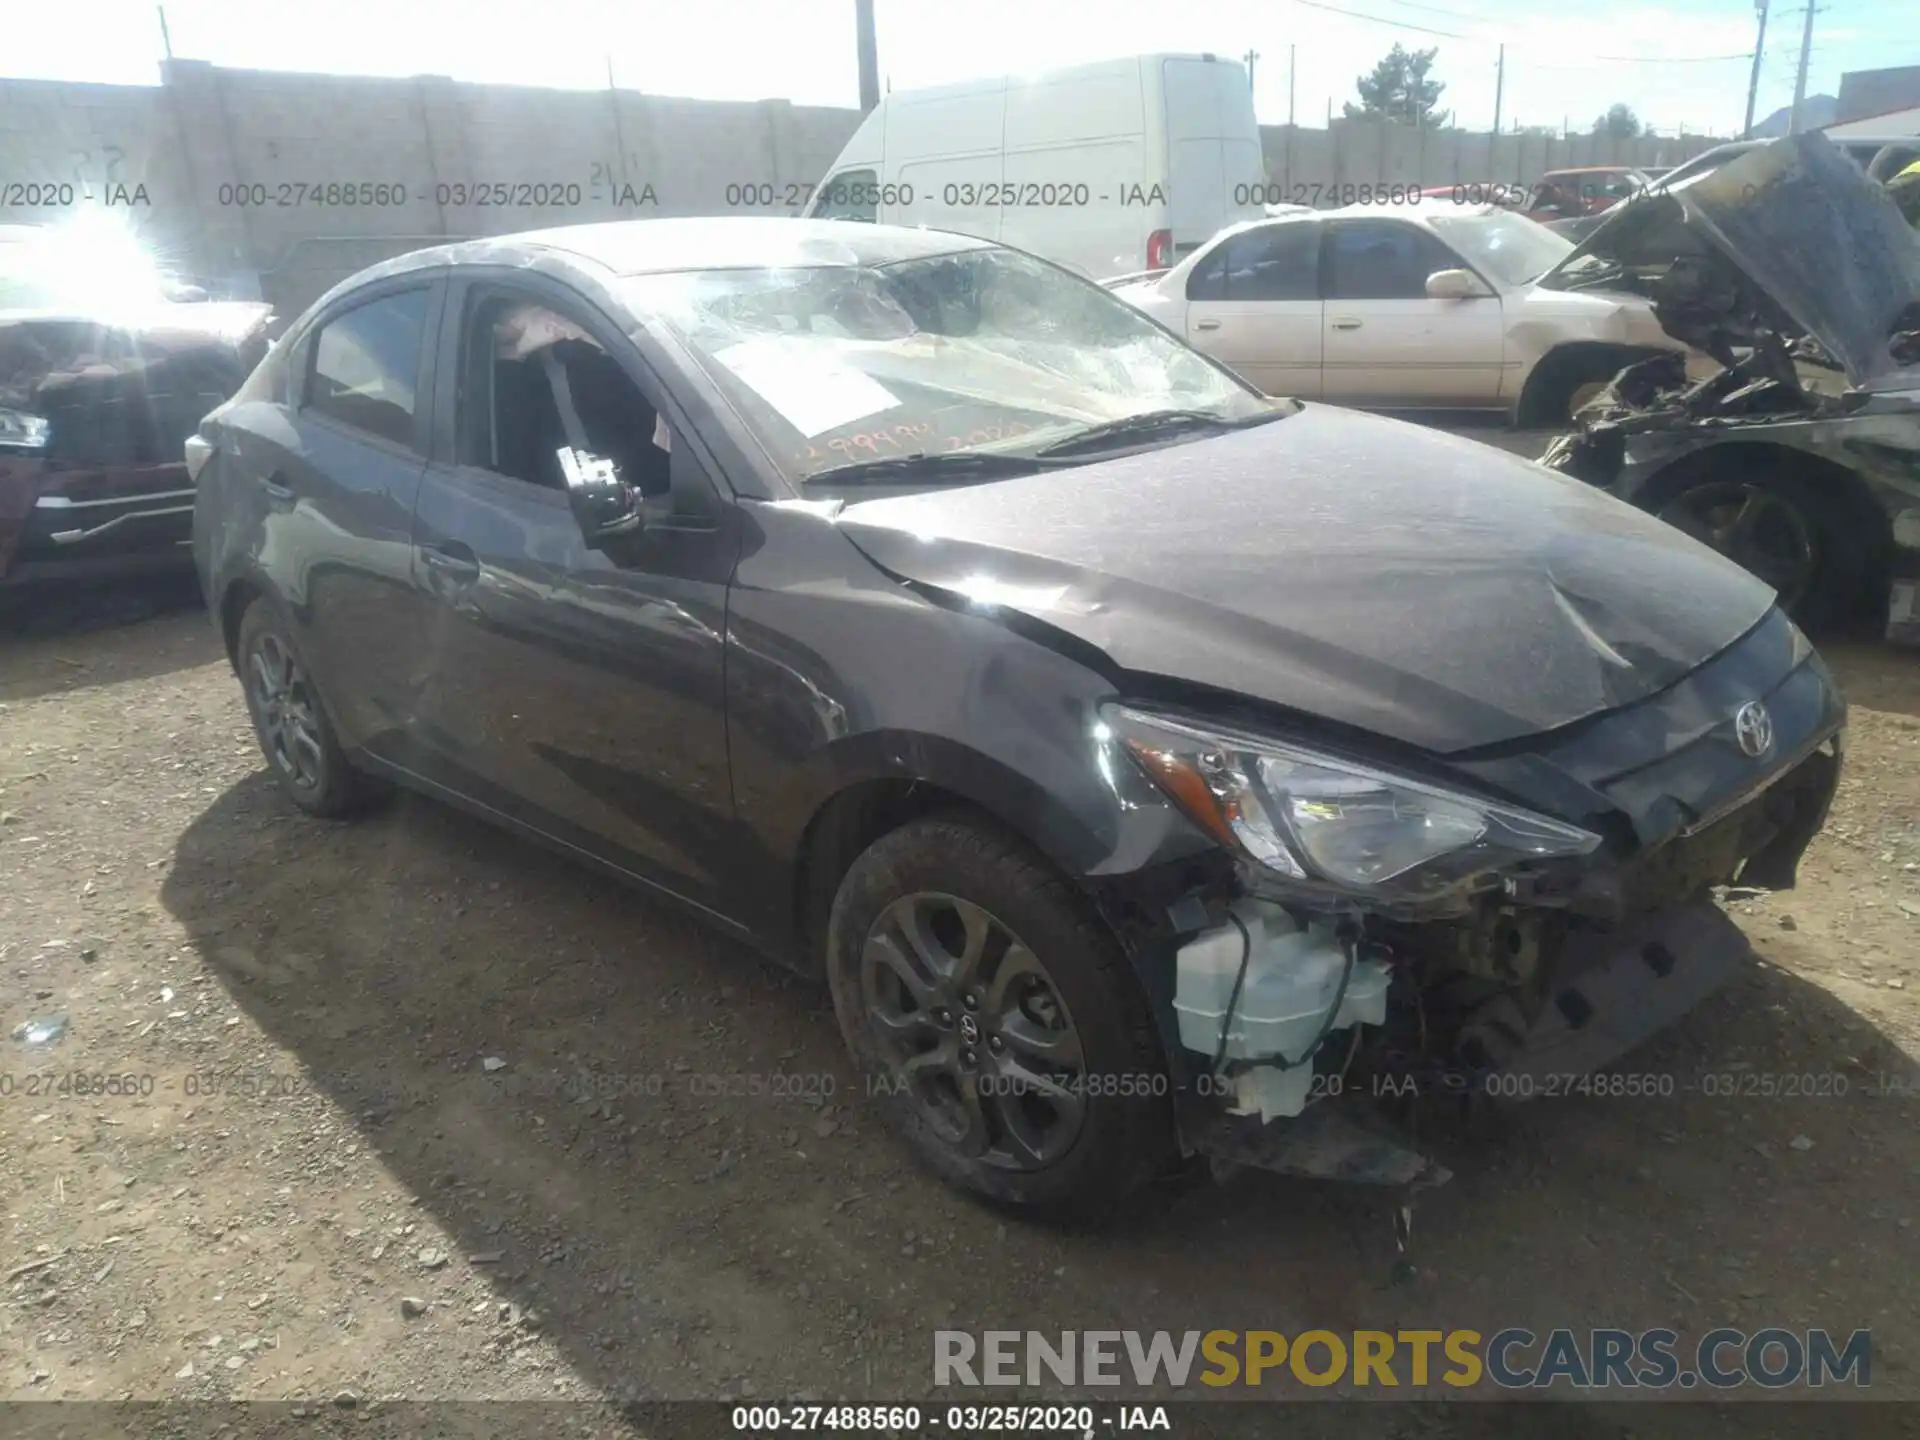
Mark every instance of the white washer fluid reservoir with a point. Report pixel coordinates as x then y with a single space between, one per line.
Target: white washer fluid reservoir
1292 977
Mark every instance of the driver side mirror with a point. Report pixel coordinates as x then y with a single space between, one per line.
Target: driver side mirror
604 505
1454 285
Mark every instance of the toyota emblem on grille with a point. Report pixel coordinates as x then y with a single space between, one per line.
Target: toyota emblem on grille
1753 728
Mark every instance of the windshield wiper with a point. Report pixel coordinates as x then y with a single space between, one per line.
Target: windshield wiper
938 467
1152 423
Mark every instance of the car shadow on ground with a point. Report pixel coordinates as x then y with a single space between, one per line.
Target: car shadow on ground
680 1232
161 627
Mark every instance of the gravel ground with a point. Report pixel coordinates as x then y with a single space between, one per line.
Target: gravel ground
358 1159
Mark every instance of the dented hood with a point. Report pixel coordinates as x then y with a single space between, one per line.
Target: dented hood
1361 570
1804 224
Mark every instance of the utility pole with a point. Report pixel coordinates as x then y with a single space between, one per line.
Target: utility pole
165 38
1499 85
1753 84
1250 57
1493 135
1800 75
1290 56
869 54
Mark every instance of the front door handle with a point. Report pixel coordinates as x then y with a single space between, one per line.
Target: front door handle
450 565
1206 324
277 490
1346 322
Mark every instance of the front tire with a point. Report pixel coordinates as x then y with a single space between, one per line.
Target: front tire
1781 530
1563 382
291 722
996 1020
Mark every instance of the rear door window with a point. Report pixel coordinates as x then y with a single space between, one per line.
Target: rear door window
1274 262
366 366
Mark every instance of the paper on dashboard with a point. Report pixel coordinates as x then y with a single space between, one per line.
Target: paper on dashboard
812 392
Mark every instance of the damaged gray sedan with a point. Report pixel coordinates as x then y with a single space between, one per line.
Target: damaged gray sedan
1800 458
1151 769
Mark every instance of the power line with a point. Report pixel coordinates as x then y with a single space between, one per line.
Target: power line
1382 20
1495 40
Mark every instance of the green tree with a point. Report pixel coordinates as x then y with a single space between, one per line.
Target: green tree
1399 90
1619 122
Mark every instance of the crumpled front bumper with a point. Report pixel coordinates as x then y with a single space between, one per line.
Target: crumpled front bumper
1612 992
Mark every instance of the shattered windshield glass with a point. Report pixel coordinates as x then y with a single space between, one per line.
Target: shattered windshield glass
978 350
1514 250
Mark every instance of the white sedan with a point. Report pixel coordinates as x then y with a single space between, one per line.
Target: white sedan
1416 306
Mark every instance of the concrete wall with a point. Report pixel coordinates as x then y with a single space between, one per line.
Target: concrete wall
216 166
1302 164
229 158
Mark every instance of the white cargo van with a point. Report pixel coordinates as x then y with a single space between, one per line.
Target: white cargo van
1108 168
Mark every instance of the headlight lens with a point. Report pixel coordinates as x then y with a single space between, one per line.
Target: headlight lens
23 431
1314 818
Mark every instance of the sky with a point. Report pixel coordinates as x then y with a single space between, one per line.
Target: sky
1682 63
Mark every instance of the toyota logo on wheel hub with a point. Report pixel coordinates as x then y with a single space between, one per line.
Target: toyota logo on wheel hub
969 1029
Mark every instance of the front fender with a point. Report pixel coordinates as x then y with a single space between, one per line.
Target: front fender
863 682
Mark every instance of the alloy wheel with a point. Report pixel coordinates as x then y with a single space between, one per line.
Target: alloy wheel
974 1030
1760 531
284 704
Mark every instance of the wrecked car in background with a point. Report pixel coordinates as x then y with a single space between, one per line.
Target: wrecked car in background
1143 763
105 370
1800 459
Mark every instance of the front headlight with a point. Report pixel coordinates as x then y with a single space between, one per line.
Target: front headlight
23 431
1317 819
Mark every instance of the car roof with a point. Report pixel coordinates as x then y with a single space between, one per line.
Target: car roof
726 242
1595 169
639 247
1411 210
1395 210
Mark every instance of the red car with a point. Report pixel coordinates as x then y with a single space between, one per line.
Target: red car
1584 190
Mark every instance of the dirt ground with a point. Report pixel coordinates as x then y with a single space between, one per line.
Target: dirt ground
356 1156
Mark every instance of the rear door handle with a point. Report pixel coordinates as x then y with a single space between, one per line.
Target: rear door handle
1346 323
1206 324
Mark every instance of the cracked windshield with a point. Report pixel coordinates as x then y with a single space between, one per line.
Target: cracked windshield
978 350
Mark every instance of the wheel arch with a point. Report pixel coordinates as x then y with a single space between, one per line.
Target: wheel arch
234 600
1579 357
883 783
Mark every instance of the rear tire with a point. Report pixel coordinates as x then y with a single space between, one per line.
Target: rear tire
291 722
996 1021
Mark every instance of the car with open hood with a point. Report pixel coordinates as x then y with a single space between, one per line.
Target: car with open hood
1799 456
1142 762
105 369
